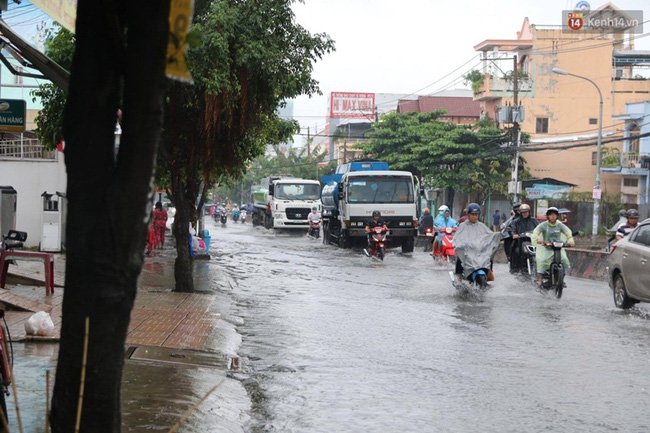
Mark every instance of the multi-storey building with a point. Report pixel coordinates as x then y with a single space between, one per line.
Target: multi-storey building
562 110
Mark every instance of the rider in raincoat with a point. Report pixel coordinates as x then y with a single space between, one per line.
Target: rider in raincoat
475 244
442 221
550 230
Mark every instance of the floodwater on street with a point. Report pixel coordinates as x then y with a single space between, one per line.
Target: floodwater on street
336 342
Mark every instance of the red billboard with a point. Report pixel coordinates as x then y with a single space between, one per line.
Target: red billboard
352 105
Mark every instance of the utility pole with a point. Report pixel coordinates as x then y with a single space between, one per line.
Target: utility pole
515 131
308 142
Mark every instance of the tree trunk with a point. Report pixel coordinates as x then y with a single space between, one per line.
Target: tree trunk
117 44
450 198
183 266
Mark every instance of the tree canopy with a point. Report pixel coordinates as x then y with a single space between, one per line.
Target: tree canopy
252 57
444 155
59 46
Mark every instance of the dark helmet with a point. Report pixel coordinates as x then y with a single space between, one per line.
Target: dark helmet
632 213
376 213
551 210
622 213
473 208
314 208
516 206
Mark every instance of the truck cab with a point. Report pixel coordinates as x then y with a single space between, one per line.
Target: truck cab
351 196
285 202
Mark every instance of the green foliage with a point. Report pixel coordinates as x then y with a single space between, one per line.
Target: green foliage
475 78
294 163
443 155
610 157
59 46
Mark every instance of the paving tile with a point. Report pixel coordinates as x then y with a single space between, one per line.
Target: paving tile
22 302
196 302
192 332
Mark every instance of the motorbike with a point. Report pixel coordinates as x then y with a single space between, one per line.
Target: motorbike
377 243
242 216
13 239
431 234
314 229
223 218
235 215
522 256
553 278
447 252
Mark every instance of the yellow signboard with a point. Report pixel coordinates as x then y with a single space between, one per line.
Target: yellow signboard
62 11
180 19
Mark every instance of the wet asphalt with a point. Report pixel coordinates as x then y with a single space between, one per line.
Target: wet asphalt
332 341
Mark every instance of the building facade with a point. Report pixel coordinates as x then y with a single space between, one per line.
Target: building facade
561 112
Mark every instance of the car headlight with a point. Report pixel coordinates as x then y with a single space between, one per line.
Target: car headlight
402 223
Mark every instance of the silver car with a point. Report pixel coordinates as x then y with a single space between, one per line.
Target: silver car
629 267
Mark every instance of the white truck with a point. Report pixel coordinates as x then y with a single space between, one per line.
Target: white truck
284 202
359 188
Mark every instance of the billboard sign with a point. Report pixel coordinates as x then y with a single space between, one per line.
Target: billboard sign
352 105
12 115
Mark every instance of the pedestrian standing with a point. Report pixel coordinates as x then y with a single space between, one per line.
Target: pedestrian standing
496 221
160 225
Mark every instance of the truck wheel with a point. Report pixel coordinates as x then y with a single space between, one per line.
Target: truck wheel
326 234
268 222
408 244
255 219
344 240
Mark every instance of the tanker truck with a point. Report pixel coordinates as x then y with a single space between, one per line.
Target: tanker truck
358 188
285 202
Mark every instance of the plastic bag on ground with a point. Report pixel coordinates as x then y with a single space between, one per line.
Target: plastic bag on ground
40 324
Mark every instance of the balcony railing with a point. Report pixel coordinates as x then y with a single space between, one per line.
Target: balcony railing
495 88
26 149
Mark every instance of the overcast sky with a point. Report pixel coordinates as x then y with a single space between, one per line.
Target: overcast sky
388 46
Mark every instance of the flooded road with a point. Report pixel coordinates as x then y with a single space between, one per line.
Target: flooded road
336 342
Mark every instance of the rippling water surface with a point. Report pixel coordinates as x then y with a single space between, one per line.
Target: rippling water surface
337 342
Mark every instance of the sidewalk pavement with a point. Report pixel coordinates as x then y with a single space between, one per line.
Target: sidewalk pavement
160 317
180 348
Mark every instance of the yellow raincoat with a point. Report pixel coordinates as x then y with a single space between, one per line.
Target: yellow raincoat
550 232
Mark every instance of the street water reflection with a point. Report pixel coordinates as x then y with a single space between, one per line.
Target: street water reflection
337 342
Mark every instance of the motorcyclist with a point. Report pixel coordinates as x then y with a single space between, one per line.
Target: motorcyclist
443 220
622 219
314 216
471 231
426 221
550 230
235 210
376 221
507 232
521 225
632 222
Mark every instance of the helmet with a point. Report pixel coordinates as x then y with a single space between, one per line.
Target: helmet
524 208
426 210
473 208
376 213
443 208
516 206
551 210
622 213
632 213
314 208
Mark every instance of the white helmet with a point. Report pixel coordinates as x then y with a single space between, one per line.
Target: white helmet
443 208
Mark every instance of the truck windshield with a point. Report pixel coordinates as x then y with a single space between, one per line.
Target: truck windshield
297 191
381 189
